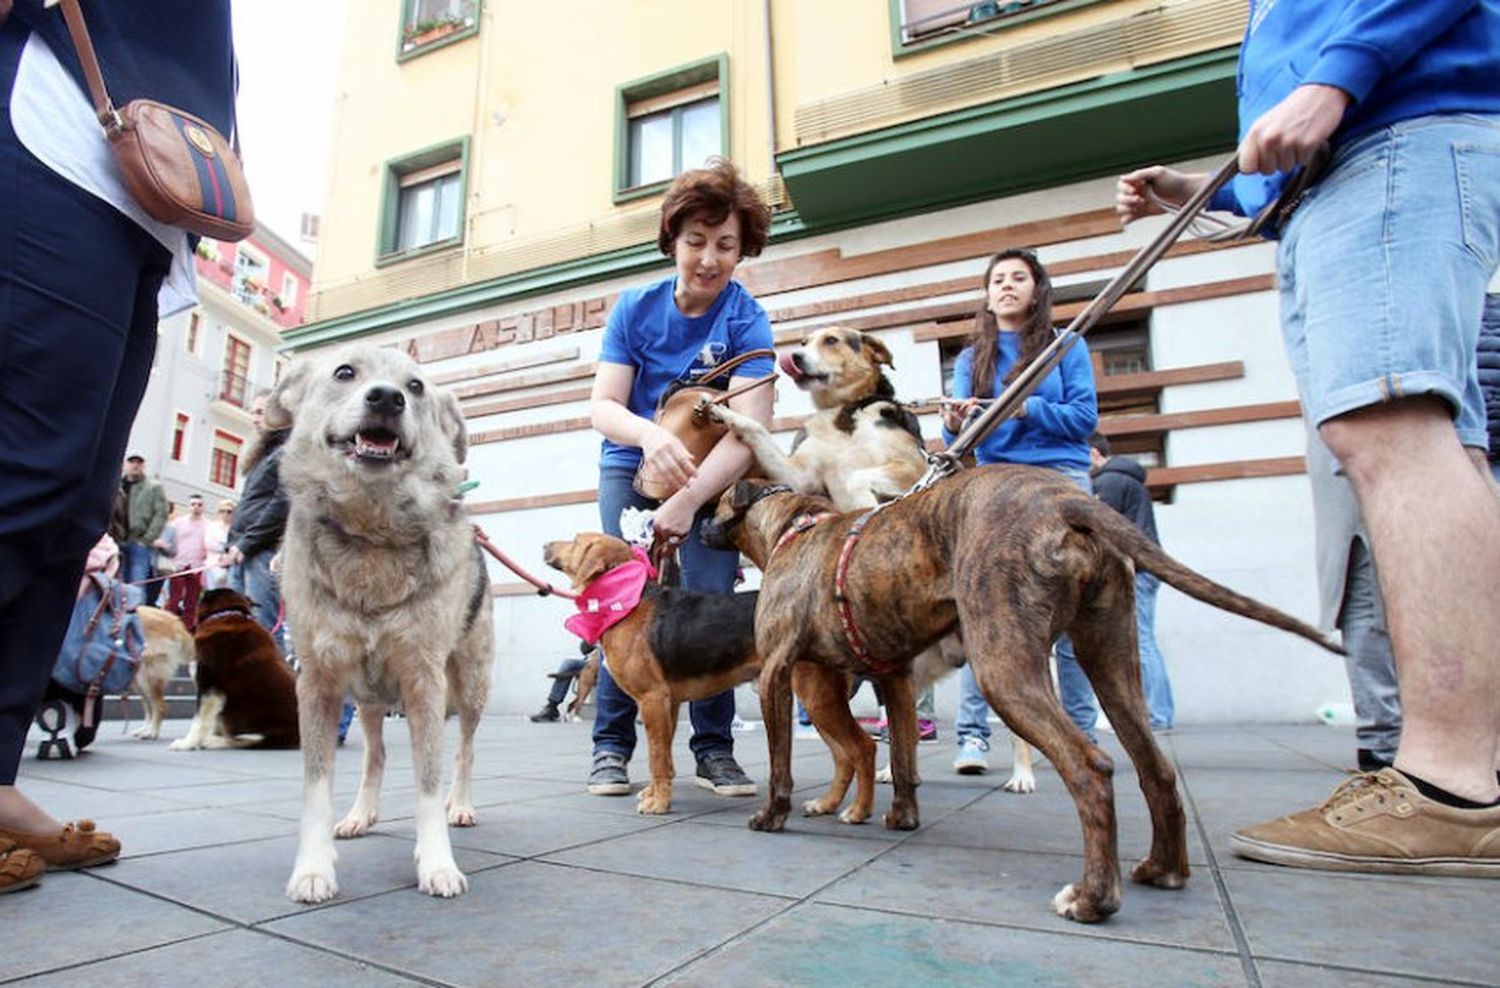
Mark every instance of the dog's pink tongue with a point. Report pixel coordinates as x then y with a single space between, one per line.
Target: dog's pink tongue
788 367
369 446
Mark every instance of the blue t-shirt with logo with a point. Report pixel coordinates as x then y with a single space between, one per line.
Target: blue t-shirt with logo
646 332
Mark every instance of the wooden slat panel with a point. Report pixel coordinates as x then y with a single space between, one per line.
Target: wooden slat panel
1279 466
1134 425
526 381
531 401
520 361
527 431
589 496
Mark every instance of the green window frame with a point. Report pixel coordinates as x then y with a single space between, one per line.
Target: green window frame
427 25
980 18
667 97
427 168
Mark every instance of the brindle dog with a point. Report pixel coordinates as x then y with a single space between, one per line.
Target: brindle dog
1014 556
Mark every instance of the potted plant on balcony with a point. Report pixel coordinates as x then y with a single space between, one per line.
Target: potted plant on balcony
424 32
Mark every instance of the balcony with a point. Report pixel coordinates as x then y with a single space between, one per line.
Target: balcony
233 394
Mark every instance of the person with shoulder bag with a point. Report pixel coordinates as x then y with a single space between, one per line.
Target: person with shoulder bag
70 228
684 328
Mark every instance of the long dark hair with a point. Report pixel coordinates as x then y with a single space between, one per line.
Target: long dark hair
1035 335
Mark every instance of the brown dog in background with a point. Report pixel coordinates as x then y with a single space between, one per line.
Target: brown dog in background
678 646
247 694
169 646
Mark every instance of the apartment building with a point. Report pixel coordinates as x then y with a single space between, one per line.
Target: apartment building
194 425
496 180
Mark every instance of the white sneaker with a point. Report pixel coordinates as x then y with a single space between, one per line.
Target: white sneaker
973 757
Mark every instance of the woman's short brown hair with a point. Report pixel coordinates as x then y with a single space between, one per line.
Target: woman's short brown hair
713 192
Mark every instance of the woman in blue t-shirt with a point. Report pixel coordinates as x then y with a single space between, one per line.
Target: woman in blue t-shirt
1050 429
663 332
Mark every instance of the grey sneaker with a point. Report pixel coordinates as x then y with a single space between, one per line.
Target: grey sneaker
973 757
720 772
608 777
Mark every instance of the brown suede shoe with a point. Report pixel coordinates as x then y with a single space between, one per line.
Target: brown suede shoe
76 845
1379 822
19 868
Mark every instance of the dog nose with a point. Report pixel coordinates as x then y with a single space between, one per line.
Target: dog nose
385 400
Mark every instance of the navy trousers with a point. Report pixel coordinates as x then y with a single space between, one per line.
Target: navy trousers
78 286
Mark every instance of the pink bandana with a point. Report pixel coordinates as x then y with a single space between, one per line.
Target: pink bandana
611 597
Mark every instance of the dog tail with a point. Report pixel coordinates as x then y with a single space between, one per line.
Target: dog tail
1104 522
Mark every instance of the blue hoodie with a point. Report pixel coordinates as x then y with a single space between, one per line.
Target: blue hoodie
1397 59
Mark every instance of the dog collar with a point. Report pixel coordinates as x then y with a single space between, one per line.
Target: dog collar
852 637
800 524
227 612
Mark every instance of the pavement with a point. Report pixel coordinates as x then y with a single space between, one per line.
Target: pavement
572 889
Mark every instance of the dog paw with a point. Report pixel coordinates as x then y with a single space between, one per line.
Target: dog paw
181 744
854 815
356 824
461 816
1022 782
768 820
818 807
1148 872
900 818
312 886
144 734
884 776
444 882
1071 903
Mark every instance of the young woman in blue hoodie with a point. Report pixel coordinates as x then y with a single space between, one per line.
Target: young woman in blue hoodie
1051 429
1382 268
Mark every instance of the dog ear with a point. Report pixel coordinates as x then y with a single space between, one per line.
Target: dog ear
740 495
600 553
451 418
283 400
879 352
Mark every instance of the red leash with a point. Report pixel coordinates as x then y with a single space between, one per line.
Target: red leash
543 588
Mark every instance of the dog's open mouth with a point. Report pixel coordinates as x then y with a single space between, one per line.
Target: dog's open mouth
792 366
372 444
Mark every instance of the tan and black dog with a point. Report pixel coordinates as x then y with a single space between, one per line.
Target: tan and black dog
1014 556
678 645
247 694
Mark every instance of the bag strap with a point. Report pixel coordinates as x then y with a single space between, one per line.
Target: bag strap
104 108
730 364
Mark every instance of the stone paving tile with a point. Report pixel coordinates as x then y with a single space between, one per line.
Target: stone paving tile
1435 928
1016 889
143 835
744 860
233 959
74 801
245 882
531 829
538 924
823 945
1275 974
74 917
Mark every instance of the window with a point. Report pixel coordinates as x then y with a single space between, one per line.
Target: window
179 436
224 469
236 375
667 124
919 22
423 206
288 294
250 269
195 323
430 23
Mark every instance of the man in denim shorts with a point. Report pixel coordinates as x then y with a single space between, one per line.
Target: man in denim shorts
1383 269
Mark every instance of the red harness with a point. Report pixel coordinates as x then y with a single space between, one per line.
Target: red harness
855 640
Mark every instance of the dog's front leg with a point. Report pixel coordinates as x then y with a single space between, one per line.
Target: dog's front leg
659 713
776 709
775 464
205 723
424 696
901 716
366 809
319 699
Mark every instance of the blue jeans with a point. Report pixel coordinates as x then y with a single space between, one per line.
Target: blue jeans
78 288
263 588
137 560
1073 685
703 569
1370 663
1153 667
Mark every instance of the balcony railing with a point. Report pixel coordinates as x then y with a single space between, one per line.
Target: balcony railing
235 389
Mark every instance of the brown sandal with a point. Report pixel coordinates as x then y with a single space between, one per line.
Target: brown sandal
19 868
76 845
